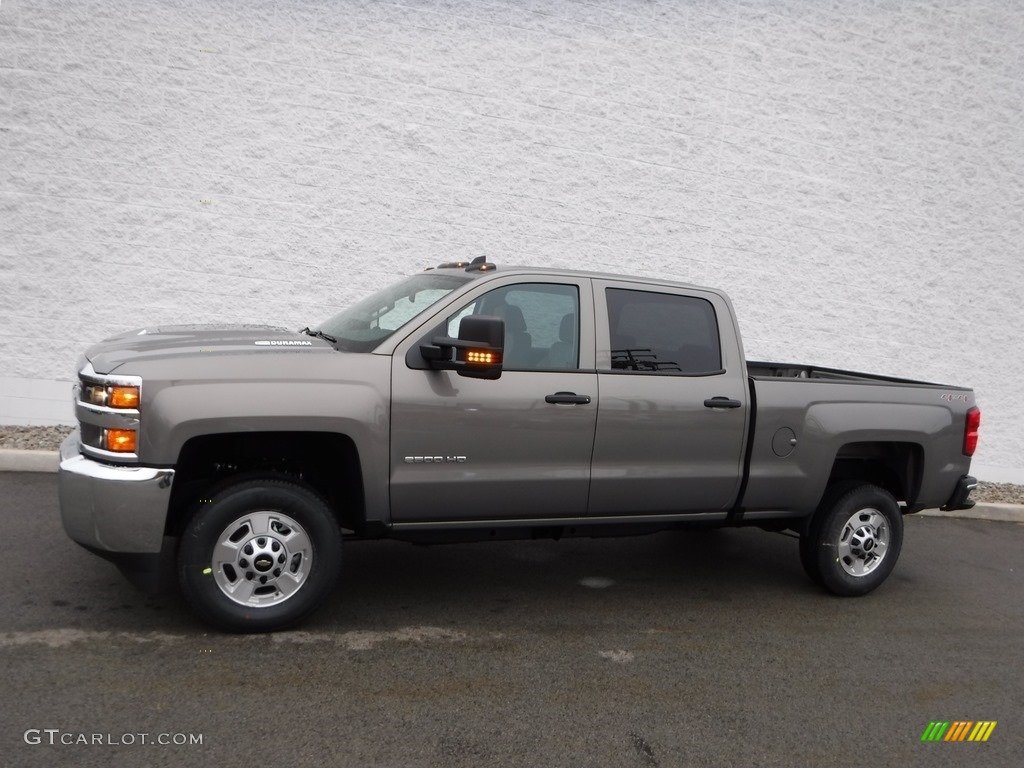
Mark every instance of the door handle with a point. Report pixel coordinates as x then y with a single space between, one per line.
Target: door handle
722 402
567 398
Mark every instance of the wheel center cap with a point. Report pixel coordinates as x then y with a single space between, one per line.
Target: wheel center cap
869 544
263 563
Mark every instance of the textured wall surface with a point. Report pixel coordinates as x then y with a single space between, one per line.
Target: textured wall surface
852 173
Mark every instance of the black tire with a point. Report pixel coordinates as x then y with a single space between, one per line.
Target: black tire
808 557
810 534
261 555
840 550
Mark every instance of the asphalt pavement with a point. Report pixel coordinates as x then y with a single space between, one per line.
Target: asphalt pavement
678 649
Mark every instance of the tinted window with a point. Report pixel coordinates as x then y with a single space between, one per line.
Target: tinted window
662 332
541 324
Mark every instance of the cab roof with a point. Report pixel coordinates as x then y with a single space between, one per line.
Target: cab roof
480 266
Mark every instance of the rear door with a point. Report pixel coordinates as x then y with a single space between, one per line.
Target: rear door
515 448
673 405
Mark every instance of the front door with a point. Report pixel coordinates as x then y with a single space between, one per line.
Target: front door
515 448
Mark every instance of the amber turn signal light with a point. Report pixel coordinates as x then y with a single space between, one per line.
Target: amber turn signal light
119 440
124 397
481 357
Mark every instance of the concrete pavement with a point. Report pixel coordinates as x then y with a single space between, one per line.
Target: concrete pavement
698 649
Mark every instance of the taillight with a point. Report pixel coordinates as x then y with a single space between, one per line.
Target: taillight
971 431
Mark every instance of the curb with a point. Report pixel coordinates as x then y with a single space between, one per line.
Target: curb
1007 513
19 460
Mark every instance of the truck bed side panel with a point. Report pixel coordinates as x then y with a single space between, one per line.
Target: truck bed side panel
826 415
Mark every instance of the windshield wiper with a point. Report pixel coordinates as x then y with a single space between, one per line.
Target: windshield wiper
319 334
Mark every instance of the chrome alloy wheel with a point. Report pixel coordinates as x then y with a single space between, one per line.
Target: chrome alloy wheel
863 542
262 559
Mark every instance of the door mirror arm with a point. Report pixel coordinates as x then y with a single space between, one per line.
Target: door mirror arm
477 353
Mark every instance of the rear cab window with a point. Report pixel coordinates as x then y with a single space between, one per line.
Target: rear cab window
667 333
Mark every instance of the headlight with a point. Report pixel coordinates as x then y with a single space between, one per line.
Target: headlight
111 396
109 411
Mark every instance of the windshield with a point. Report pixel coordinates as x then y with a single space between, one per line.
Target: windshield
366 324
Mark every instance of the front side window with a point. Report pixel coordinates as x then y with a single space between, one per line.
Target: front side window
662 333
366 324
541 324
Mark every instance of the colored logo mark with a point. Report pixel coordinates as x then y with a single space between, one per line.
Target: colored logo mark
959 730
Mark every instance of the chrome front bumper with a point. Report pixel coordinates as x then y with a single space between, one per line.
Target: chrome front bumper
111 509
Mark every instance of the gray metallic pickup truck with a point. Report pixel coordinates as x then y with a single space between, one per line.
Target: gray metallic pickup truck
469 402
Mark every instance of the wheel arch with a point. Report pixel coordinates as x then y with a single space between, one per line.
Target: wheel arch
325 462
894 466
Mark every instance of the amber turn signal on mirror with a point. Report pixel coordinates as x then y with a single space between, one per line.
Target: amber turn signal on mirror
481 357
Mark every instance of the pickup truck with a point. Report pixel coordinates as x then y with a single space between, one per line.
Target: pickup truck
469 402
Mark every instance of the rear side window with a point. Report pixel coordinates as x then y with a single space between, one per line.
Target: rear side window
662 333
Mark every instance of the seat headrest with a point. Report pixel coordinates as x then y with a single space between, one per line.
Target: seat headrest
513 317
567 330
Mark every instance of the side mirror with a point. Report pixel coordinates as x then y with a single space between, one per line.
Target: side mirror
476 354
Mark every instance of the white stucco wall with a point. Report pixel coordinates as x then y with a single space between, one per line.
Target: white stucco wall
852 173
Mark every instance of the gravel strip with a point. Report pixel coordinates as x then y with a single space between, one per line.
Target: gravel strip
33 438
49 439
999 493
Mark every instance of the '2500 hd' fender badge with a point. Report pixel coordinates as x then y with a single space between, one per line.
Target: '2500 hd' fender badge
435 459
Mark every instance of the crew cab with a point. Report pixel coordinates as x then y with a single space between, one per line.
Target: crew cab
475 402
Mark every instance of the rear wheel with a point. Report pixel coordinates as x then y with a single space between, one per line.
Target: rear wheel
262 555
854 540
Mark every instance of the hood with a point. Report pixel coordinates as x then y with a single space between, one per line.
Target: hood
167 342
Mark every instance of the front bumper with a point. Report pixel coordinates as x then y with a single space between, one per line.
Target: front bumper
959 499
112 510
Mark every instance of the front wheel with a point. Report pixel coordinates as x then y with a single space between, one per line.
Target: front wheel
261 555
854 540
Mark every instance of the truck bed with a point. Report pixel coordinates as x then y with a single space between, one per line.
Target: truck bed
769 370
807 418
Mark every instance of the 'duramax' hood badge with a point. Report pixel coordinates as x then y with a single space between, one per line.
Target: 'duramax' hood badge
283 343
